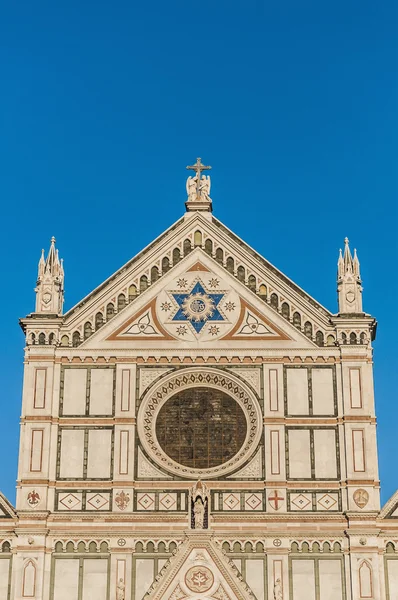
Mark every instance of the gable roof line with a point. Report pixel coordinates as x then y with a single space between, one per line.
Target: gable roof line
8 506
198 217
123 268
272 268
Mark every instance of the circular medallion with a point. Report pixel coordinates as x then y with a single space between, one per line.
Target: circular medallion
199 579
198 307
277 543
121 542
200 422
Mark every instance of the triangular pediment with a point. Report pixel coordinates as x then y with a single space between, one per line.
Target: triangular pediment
199 246
199 569
390 509
7 511
198 303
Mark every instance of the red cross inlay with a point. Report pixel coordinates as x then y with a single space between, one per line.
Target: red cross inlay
275 499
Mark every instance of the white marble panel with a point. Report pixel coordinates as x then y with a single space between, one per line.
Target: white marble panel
40 388
4 578
95 579
355 387
72 449
325 453
36 450
99 453
358 450
330 580
74 392
101 392
144 576
322 392
255 577
392 575
66 579
299 454
297 392
303 574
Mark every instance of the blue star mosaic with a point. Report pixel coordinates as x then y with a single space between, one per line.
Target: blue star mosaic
198 307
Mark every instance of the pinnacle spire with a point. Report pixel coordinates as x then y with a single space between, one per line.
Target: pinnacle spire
349 281
49 290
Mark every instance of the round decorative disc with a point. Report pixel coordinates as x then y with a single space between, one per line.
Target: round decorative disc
199 579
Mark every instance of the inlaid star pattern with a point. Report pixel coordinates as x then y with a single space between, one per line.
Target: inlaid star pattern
198 307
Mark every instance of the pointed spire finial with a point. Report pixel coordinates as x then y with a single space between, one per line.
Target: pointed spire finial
50 282
348 281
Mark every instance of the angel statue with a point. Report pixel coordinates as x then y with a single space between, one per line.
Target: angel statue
204 188
120 590
192 188
278 595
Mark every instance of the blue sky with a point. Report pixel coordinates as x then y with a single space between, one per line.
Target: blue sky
293 104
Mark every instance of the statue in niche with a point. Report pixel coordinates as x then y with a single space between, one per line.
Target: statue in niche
199 513
120 589
199 506
278 595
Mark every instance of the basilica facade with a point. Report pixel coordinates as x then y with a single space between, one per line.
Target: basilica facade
198 427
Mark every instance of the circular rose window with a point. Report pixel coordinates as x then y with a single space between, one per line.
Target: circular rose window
201 427
199 422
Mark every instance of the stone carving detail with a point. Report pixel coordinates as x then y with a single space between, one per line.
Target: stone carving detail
120 590
361 497
253 469
33 499
122 500
199 505
148 376
253 326
198 186
199 579
252 376
221 594
278 593
147 469
178 594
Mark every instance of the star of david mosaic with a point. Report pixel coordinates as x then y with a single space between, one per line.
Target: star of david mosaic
198 306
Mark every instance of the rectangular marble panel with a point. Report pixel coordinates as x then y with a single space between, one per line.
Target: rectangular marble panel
72 450
66 579
75 387
303 575
144 576
322 392
330 580
299 454
125 390
358 450
392 575
99 453
273 390
275 452
355 387
39 400
325 453
297 392
101 392
95 579
36 450
124 452
4 578
255 577
97 501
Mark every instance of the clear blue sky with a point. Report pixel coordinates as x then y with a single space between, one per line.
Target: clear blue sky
294 104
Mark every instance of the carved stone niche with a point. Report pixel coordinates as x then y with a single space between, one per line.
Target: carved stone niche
200 497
